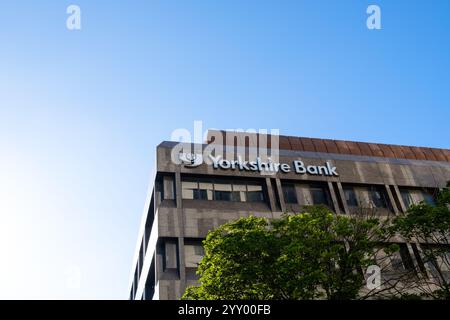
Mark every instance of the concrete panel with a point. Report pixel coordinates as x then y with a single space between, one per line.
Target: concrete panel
369 172
423 176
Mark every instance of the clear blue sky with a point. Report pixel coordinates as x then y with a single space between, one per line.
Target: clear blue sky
81 112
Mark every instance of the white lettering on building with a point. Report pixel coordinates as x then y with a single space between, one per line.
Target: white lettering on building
269 166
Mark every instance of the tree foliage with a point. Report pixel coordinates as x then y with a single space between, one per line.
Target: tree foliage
429 225
310 255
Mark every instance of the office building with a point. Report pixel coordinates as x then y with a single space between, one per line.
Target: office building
265 176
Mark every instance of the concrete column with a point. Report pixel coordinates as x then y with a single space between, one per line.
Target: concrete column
178 190
342 195
271 195
337 210
181 222
400 199
391 199
413 257
428 272
182 265
280 194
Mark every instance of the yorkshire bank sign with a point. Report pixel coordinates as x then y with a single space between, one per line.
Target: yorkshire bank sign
297 166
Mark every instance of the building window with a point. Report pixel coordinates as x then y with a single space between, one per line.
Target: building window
439 265
406 197
188 189
415 196
223 191
366 196
396 262
290 195
306 194
197 191
428 198
377 197
205 191
170 255
193 254
350 197
255 193
319 195
239 192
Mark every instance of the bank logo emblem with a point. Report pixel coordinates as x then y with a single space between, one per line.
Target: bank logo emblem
191 159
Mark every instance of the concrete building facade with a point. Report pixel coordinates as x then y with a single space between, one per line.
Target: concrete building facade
252 174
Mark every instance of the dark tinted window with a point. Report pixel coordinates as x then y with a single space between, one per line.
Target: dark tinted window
412 196
378 197
255 193
428 198
236 196
200 194
350 197
222 190
406 197
222 195
290 195
319 195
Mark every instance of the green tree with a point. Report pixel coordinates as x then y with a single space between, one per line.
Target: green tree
429 225
311 255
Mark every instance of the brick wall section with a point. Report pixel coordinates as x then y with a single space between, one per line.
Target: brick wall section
376 150
447 154
331 146
354 148
308 144
420 155
319 145
342 147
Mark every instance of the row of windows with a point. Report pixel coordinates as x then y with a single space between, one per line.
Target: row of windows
306 194
374 196
355 195
223 191
366 196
